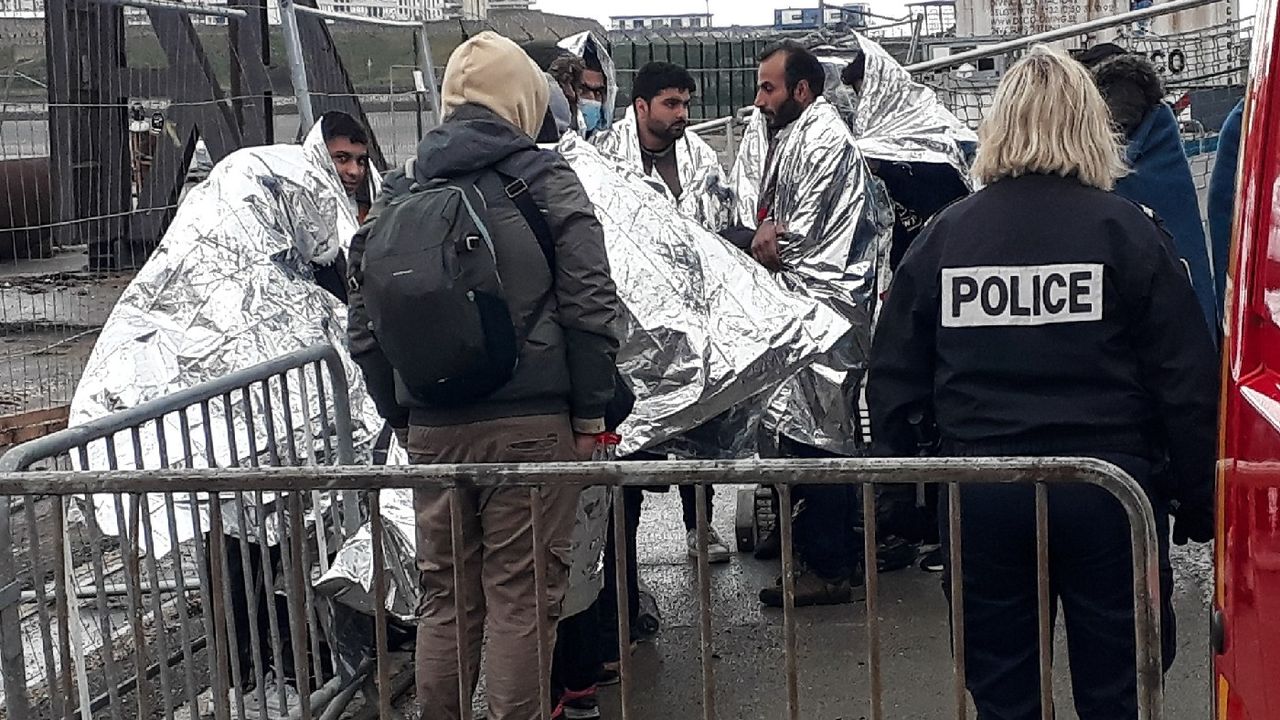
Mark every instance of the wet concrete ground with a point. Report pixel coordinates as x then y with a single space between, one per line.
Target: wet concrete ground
833 678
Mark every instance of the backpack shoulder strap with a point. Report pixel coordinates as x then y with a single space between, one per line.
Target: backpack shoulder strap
517 190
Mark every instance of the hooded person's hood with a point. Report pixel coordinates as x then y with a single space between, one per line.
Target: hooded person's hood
472 138
491 71
893 117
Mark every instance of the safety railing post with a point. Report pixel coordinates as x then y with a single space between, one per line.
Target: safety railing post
13 664
297 65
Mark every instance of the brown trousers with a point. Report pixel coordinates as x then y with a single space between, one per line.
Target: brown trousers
497 558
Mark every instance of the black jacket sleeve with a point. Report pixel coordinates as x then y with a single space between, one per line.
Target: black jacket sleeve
1180 369
901 371
332 278
379 376
588 306
740 236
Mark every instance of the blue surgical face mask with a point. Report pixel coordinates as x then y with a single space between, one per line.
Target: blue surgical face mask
592 114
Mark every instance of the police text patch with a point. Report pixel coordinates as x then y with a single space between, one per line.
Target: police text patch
1021 295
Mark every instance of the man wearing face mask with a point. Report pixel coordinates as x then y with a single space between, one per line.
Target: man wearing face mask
596 88
807 210
591 97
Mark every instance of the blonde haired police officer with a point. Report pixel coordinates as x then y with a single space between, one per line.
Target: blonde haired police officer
1045 315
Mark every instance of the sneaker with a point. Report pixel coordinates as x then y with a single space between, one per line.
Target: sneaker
717 551
769 547
578 705
934 561
814 590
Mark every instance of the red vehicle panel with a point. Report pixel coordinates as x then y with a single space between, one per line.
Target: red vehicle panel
1247 601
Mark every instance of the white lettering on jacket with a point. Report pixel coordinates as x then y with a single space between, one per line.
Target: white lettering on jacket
1021 295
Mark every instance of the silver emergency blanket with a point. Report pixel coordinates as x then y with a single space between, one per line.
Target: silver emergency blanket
231 285
705 329
838 222
706 196
893 117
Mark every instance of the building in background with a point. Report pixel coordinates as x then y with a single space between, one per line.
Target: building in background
986 18
852 15
19 9
464 9
939 16
510 4
410 10
649 22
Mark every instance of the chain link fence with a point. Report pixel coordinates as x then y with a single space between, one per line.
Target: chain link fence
98 110
110 112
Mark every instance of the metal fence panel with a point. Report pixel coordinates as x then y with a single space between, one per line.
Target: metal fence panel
295 483
164 575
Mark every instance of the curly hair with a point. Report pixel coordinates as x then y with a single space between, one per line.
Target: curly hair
1131 86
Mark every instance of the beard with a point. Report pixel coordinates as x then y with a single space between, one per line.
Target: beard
786 114
668 133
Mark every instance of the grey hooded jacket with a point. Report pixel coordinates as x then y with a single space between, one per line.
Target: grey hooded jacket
567 361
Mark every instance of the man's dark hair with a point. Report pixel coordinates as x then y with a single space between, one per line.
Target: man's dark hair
1093 56
801 65
658 76
337 124
856 71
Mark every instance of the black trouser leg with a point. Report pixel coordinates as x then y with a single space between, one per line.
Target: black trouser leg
689 505
1090 572
575 665
826 537
632 499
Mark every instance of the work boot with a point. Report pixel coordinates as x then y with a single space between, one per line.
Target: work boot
812 589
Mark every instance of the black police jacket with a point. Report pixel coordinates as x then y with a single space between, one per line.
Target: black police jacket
1040 316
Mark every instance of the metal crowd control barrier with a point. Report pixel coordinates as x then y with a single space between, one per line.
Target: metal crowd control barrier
62 661
1042 473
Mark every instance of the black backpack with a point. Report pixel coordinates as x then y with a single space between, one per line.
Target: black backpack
432 290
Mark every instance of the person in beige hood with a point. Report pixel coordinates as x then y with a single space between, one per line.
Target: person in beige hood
549 251
491 71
